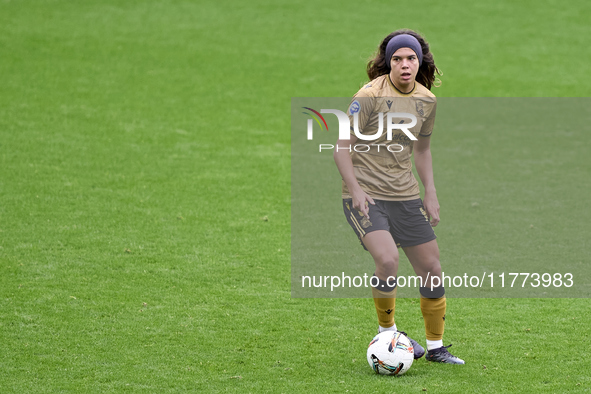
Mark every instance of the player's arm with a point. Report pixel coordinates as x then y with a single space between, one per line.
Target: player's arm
345 166
424 164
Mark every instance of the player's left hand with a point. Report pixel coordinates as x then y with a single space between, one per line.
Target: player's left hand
431 205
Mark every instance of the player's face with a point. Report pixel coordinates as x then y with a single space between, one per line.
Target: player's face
405 66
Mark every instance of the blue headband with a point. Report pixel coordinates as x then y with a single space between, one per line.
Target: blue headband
403 41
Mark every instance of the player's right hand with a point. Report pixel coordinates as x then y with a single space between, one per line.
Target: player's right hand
361 201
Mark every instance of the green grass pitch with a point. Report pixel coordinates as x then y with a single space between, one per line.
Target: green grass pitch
145 195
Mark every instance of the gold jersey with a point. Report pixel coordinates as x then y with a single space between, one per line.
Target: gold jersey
384 171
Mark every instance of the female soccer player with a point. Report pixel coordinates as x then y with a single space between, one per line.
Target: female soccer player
380 194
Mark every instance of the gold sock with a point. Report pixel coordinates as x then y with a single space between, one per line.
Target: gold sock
433 310
385 303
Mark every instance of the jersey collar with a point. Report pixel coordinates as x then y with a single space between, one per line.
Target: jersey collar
398 90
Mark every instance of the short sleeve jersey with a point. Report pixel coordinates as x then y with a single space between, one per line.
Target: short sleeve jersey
385 170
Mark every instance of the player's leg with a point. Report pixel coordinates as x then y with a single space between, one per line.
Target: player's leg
425 262
411 228
384 251
424 259
375 237
382 248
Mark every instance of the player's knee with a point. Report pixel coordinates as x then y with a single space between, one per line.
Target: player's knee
435 268
429 268
387 262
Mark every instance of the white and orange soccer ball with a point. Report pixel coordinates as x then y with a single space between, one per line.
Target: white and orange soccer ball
390 353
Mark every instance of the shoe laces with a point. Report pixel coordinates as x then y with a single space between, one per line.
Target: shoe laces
443 349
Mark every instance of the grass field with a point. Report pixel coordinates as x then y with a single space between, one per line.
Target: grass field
145 196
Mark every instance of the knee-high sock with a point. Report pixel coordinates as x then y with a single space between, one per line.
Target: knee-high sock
433 310
385 302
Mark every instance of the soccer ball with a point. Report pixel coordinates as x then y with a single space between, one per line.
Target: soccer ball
390 353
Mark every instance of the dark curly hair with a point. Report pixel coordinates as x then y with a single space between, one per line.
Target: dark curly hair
426 76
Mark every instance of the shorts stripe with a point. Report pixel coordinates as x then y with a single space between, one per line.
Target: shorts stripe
361 231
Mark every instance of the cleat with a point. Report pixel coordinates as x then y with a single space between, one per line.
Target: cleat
418 349
441 355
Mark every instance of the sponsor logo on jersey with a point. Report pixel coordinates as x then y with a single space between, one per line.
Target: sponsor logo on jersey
354 108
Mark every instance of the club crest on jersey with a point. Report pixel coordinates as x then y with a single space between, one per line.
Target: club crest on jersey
420 110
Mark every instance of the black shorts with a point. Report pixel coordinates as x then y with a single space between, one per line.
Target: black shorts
407 221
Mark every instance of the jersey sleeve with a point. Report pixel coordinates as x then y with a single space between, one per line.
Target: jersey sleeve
362 105
429 123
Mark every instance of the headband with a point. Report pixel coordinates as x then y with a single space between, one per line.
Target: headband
403 41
